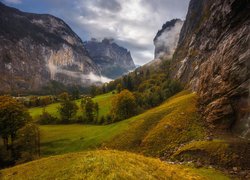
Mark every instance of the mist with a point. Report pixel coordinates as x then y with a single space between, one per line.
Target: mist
167 42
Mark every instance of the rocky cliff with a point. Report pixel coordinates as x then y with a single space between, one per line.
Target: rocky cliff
167 38
35 49
112 59
213 59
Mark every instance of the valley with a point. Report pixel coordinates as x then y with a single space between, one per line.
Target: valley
115 90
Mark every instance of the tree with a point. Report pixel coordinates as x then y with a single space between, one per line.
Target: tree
13 116
27 145
123 105
47 118
75 93
67 110
89 110
119 88
64 96
97 111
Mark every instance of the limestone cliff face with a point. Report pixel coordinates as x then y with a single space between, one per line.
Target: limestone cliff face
112 59
35 49
167 38
213 59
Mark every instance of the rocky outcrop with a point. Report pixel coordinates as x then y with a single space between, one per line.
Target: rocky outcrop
213 59
35 49
167 39
112 59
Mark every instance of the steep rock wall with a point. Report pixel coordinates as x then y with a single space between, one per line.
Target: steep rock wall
213 59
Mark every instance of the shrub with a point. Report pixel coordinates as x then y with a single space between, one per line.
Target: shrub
46 118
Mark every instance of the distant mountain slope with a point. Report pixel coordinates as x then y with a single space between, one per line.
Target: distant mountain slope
112 59
213 59
35 49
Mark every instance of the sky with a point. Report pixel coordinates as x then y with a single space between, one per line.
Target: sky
132 23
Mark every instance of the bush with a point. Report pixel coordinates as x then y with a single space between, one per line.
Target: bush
46 118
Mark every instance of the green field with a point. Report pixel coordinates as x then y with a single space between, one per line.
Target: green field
104 102
60 139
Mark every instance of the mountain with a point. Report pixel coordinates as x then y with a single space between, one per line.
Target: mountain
38 48
212 59
112 59
166 39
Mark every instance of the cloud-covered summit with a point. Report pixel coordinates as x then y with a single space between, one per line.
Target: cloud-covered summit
132 23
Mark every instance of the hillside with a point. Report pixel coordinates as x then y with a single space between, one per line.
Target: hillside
169 131
105 165
128 134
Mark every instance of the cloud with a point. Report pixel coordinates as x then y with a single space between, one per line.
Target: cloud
132 23
13 1
167 42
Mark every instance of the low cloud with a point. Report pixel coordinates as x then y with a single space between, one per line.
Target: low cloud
167 42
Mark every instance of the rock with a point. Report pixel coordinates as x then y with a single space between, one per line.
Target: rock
243 173
235 169
198 164
209 138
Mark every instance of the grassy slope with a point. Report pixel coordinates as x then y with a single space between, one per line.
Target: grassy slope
160 130
104 102
59 139
104 165
153 132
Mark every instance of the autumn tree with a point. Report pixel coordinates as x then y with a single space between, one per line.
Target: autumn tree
123 105
64 96
27 145
119 88
13 116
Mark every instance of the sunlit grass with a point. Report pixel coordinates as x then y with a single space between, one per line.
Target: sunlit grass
105 165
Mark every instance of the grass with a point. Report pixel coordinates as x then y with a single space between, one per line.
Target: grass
105 165
60 139
152 133
160 130
216 152
104 102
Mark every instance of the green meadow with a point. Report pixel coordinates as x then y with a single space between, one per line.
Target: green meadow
104 102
